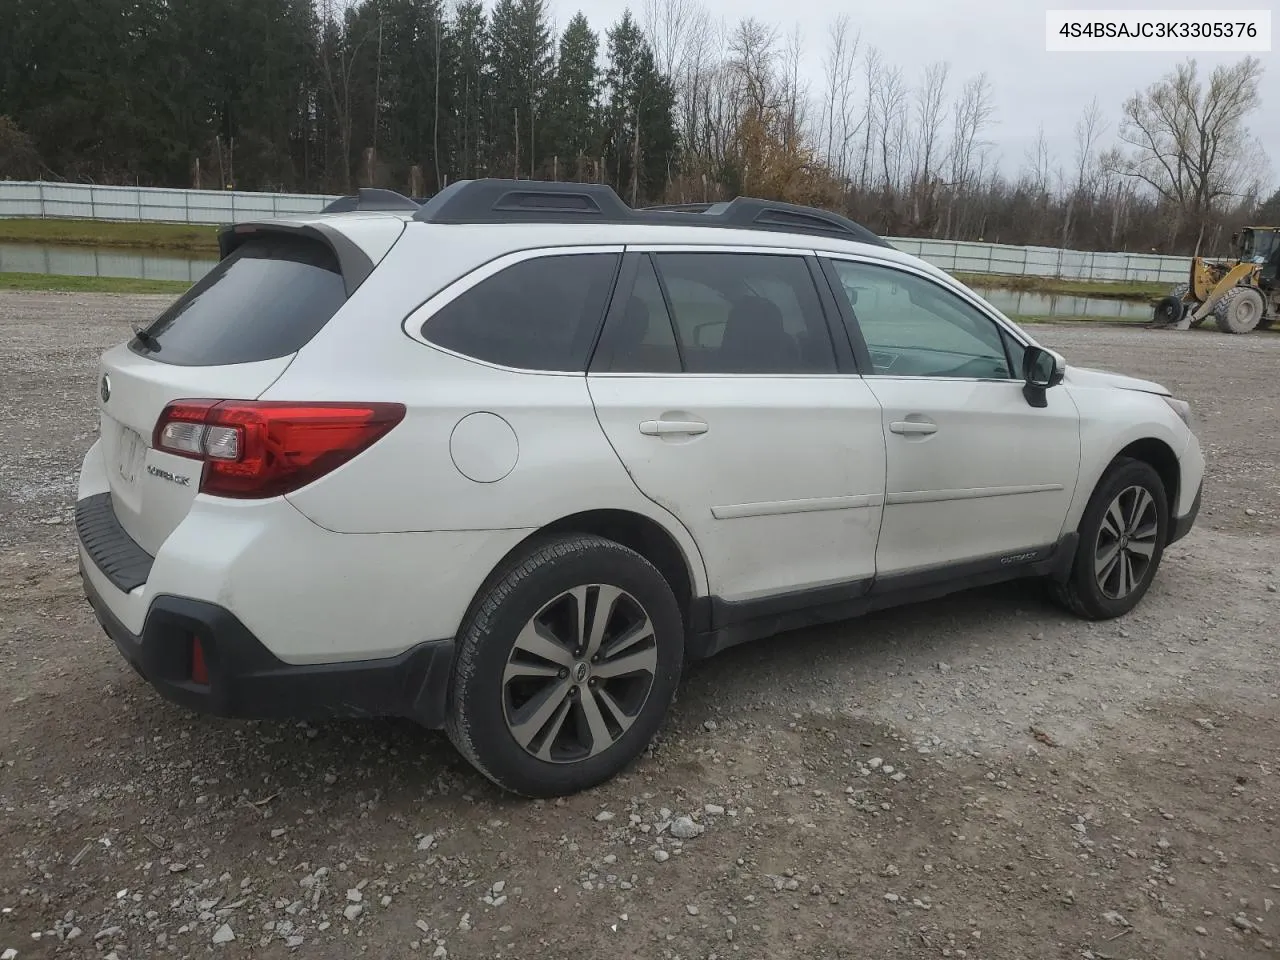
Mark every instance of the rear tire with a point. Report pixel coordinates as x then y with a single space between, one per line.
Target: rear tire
1122 537
567 663
1240 311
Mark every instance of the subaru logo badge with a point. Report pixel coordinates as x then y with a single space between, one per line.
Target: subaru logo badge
106 388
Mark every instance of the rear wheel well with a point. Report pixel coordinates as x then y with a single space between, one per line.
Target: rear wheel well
639 533
1164 461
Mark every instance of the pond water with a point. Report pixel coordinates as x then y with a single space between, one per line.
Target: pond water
146 265
79 261
1016 303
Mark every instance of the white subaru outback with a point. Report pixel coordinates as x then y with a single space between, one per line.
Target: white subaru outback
502 462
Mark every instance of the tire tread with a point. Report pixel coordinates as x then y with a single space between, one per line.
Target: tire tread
500 586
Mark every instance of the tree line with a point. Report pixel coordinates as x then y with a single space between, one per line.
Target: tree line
667 104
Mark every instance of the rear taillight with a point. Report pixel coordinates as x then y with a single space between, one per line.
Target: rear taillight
257 448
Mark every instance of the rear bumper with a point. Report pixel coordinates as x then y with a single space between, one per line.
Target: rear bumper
1182 525
246 680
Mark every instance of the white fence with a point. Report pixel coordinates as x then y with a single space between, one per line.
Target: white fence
83 201
962 256
20 198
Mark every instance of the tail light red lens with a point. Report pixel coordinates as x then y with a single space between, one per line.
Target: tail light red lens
257 448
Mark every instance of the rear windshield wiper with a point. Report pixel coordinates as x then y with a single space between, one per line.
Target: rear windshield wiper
145 338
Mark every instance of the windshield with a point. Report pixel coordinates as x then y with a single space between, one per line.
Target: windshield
1260 244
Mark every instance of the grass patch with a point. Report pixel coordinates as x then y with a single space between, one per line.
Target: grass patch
56 282
1104 289
190 238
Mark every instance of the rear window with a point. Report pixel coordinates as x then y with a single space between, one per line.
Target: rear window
266 300
538 314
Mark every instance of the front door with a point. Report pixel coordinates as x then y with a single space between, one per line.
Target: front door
974 472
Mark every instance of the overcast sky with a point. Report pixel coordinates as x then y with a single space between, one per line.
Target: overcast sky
1006 38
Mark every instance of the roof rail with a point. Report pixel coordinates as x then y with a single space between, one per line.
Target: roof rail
532 201
371 198
515 201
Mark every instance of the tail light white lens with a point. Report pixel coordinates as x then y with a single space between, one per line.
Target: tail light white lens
182 437
255 448
222 443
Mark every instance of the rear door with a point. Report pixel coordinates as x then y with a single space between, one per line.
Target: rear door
718 384
228 338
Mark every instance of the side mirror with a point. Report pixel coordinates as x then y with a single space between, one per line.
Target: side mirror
1041 369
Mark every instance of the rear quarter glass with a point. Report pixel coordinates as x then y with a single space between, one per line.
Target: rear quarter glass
266 300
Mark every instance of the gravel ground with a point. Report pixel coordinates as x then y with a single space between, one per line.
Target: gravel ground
980 776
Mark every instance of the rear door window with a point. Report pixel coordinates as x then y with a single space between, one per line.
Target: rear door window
538 314
266 300
746 313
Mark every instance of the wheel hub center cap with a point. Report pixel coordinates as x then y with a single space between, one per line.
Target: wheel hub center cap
1124 541
580 671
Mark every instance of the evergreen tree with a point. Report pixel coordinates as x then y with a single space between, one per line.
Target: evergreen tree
574 115
643 143
520 52
470 86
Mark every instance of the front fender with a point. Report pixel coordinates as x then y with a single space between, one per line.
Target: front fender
1112 420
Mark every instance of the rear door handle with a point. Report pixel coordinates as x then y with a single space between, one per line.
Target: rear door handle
913 428
664 428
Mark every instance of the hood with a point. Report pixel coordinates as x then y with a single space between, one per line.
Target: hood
1087 377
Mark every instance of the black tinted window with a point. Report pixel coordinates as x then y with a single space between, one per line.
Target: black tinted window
266 300
746 313
639 338
538 314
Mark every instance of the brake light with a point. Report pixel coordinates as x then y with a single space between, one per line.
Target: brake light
257 448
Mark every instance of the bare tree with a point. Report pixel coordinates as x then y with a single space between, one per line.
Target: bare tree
795 92
1188 142
971 114
682 37
928 101
970 117
1089 129
840 127
670 26
872 68
1037 166
1079 191
890 99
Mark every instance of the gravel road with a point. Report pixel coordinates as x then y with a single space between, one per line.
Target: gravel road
979 777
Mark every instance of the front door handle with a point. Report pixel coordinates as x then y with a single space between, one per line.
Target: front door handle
913 428
665 428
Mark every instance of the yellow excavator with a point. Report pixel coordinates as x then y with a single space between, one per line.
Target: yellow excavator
1242 294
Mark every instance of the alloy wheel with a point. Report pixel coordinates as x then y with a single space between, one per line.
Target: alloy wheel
579 673
1126 542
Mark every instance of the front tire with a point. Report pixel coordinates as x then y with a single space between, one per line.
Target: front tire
1122 537
567 663
1172 308
1240 311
